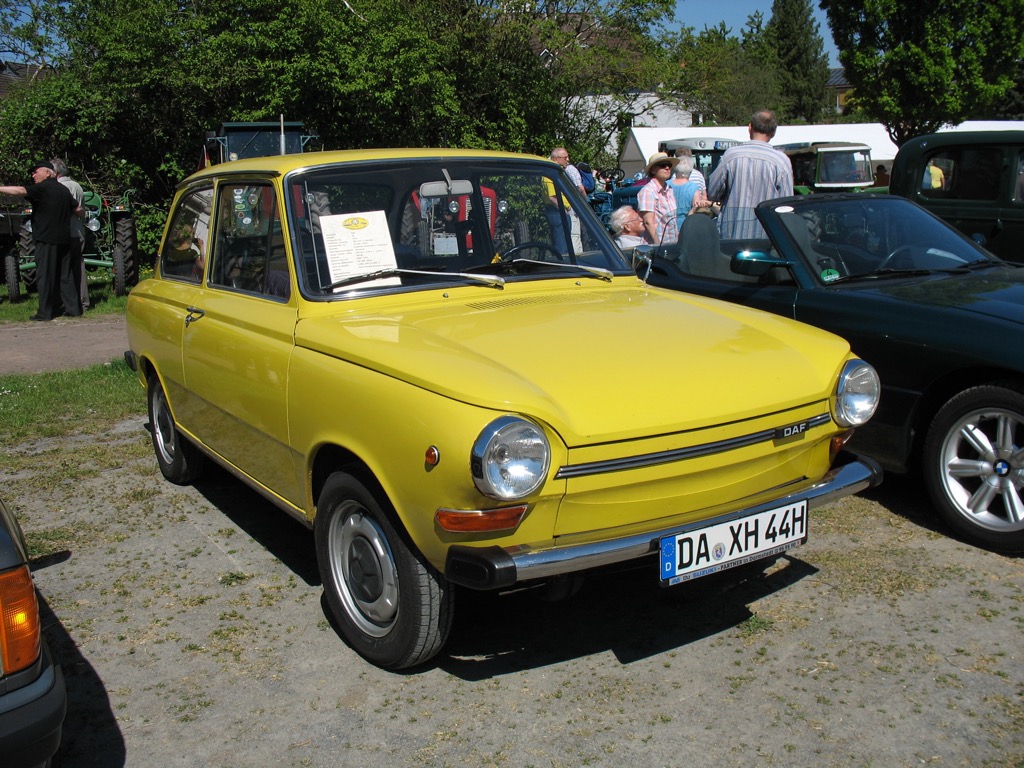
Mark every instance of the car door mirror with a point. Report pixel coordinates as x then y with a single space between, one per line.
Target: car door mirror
756 263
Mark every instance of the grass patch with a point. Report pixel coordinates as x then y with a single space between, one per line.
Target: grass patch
57 404
101 299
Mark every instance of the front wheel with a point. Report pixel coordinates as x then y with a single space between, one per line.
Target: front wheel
974 465
392 606
180 461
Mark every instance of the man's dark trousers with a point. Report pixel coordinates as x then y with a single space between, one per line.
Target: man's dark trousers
55 280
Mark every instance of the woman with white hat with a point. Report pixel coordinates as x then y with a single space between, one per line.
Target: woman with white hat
657 202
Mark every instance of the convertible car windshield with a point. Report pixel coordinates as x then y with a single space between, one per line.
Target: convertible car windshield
406 225
848 239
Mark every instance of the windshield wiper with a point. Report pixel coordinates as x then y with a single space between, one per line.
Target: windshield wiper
492 280
983 263
598 272
888 272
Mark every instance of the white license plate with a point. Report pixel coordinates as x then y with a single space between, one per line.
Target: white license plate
690 555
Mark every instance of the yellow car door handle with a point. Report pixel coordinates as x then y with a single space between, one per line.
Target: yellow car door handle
194 313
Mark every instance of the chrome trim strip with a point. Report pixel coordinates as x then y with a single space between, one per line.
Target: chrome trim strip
679 454
538 564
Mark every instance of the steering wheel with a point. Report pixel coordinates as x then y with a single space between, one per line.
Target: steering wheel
888 260
507 255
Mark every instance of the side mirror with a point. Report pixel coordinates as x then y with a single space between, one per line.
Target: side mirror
640 259
756 263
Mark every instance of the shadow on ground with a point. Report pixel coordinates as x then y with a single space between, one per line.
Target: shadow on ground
91 737
625 612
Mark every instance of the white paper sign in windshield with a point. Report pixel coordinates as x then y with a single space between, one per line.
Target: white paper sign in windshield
357 244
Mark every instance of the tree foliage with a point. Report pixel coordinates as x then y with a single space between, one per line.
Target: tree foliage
135 85
140 82
27 32
915 67
802 65
723 79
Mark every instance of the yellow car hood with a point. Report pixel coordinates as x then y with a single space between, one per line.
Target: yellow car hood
594 361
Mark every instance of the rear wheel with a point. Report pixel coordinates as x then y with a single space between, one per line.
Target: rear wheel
125 256
27 255
392 606
11 277
180 461
974 465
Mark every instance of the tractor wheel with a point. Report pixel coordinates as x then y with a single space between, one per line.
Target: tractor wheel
11 277
27 255
126 264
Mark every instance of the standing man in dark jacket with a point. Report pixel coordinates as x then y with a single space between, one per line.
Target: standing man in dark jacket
52 208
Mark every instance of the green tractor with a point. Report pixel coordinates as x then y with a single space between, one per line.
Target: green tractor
111 243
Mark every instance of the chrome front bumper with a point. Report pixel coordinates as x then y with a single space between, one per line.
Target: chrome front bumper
497 567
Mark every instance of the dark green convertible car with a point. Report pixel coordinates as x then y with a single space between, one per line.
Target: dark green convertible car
939 317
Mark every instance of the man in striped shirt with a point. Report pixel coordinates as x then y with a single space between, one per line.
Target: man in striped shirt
748 174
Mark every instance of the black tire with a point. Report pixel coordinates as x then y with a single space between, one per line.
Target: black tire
391 605
11 277
125 256
27 255
972 466
180 461
520 232
423 238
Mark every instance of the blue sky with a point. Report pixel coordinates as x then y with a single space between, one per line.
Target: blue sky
708 13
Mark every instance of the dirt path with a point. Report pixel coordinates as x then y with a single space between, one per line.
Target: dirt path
61 344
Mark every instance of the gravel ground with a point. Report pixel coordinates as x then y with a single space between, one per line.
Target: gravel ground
190 626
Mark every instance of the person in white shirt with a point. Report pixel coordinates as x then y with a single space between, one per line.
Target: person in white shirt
627 226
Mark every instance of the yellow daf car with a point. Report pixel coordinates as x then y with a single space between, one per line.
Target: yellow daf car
439 361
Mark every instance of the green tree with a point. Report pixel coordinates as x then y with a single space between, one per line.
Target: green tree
136 84
1011 105
802 65
28 32
918 66
723 79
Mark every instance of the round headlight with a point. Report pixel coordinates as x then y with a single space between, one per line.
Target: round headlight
510 458
857 394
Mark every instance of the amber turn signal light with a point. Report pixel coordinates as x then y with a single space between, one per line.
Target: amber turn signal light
838 443
480 520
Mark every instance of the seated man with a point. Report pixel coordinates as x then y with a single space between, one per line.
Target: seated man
627 227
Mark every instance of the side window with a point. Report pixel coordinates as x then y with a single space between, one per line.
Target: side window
963 173
249 253
184 253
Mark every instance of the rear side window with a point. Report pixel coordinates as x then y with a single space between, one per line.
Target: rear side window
183 256
963 173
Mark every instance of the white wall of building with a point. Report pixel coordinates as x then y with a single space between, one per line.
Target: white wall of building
641 143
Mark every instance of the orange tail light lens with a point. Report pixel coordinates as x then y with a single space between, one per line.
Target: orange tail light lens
19 620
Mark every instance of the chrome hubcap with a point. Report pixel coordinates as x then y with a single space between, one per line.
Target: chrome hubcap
163 427
363 570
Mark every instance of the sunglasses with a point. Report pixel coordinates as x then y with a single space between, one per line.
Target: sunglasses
662 166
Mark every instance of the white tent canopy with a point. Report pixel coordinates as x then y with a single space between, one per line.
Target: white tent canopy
641 143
